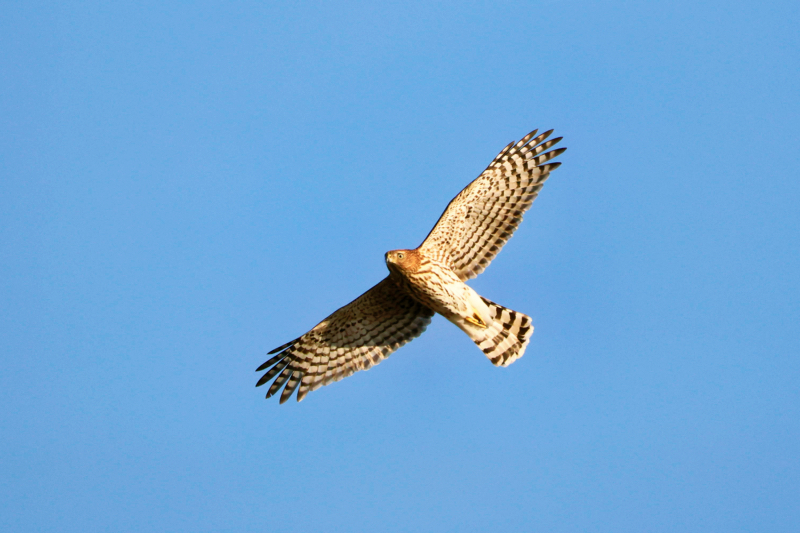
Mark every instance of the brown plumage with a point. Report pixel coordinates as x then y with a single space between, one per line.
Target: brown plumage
469 234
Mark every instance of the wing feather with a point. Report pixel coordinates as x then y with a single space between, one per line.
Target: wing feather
482 217
356 337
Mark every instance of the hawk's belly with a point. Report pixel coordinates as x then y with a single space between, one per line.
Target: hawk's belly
438 287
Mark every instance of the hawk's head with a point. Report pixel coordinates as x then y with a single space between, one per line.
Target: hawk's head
404 261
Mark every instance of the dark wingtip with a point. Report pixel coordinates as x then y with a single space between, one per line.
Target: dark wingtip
526 139
270 362
283 346
263 380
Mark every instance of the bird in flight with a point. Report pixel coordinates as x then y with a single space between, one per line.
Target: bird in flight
429 279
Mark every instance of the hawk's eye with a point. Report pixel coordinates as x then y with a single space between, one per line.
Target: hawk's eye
401 255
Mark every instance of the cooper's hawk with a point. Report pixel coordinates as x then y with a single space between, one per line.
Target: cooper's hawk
428 279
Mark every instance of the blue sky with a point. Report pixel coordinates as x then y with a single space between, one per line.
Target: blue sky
187 186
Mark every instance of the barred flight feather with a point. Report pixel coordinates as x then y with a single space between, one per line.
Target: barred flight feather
505 339
470 232
356 337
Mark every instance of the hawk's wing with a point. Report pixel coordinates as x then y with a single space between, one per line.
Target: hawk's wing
479 221
356 337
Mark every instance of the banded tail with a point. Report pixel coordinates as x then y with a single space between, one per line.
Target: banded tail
504 339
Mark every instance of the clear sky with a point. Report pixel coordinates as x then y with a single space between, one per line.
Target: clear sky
187 186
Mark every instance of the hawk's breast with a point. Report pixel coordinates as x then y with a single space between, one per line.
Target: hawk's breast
436 286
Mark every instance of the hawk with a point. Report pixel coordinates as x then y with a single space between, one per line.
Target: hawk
429 279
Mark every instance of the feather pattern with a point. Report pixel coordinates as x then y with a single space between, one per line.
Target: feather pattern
469 234
356 337
482 217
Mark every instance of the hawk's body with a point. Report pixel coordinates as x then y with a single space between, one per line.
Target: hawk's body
502 336
433 284
428 279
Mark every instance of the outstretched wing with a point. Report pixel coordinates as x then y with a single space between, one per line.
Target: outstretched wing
356 337
479 221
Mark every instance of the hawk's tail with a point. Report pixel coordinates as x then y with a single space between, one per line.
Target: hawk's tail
504 339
